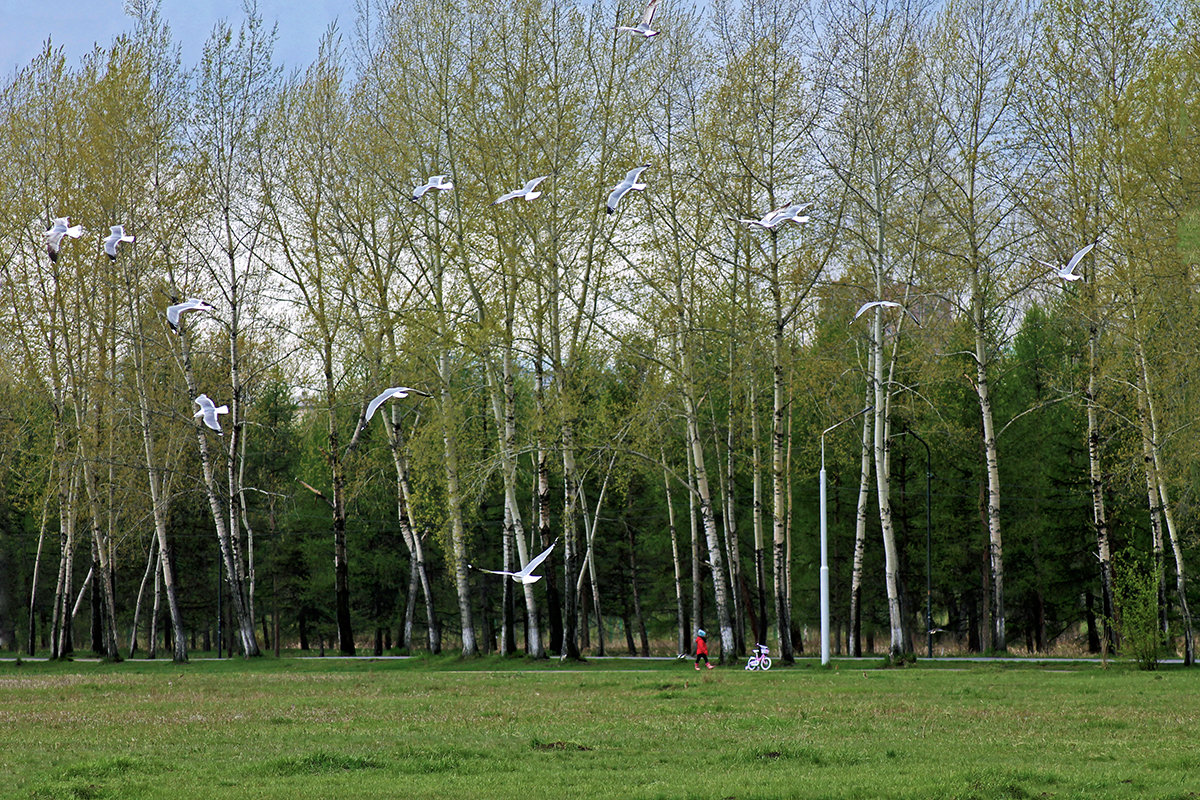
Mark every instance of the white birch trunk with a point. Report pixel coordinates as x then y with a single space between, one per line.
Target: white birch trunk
882 441
704 497
412 539
682 645
504 409
983 394
1189 656
860 532
1099 516
454 502
151 560
760 556
780 497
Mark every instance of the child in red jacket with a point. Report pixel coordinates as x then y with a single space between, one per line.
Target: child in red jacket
702 648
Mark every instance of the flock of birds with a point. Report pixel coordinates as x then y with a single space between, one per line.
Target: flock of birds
210 412
61 226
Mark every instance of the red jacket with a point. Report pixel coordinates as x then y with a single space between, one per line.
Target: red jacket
701 646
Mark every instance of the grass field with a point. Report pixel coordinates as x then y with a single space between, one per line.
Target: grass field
492 728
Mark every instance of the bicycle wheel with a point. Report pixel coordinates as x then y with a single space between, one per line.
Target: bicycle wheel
764 663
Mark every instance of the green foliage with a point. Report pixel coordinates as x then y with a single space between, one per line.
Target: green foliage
315 172
1135 595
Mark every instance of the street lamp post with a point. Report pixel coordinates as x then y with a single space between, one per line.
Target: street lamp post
825 543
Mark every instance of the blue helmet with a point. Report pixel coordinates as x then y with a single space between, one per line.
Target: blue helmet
701 633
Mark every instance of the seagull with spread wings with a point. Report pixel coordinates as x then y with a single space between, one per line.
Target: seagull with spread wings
398 392
116 235
191 304
884 304
525 576
789 213
643 27
526 191
60 227
435 182
625 186
1067 273
209 411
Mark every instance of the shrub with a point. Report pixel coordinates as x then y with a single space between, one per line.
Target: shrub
1135 600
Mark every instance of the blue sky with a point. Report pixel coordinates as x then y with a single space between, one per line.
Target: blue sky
76 25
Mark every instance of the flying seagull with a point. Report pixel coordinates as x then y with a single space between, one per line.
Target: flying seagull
789 213
1067 273
435 182
398 392
116 236
883 304
61 226
525 576
191 304
526 191
622 188
643 27
210 412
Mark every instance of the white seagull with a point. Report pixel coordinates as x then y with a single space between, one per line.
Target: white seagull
883 304
191 304
789 213
1067 273
434 182
61 226
116 236
622 188
210 411
398 392
525 576
526 191
643 27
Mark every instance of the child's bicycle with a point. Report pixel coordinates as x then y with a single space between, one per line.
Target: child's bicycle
759 658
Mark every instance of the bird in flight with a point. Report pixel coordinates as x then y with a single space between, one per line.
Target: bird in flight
191 304
398 392
60 227
629 183
435 182
883 304
526 191
116 236
1067 273
788 213
210 411
525 576
643 27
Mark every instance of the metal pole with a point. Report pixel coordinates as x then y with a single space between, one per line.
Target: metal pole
825 543
824 567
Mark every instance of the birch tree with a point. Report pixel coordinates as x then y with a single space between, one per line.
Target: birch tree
302 172
976 52
235 79
142 102
867 149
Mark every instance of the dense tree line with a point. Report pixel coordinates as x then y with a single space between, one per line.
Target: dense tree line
648 390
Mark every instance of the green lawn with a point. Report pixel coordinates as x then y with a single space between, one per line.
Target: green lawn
492 728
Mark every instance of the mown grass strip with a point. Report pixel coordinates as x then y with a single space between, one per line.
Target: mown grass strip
442 727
